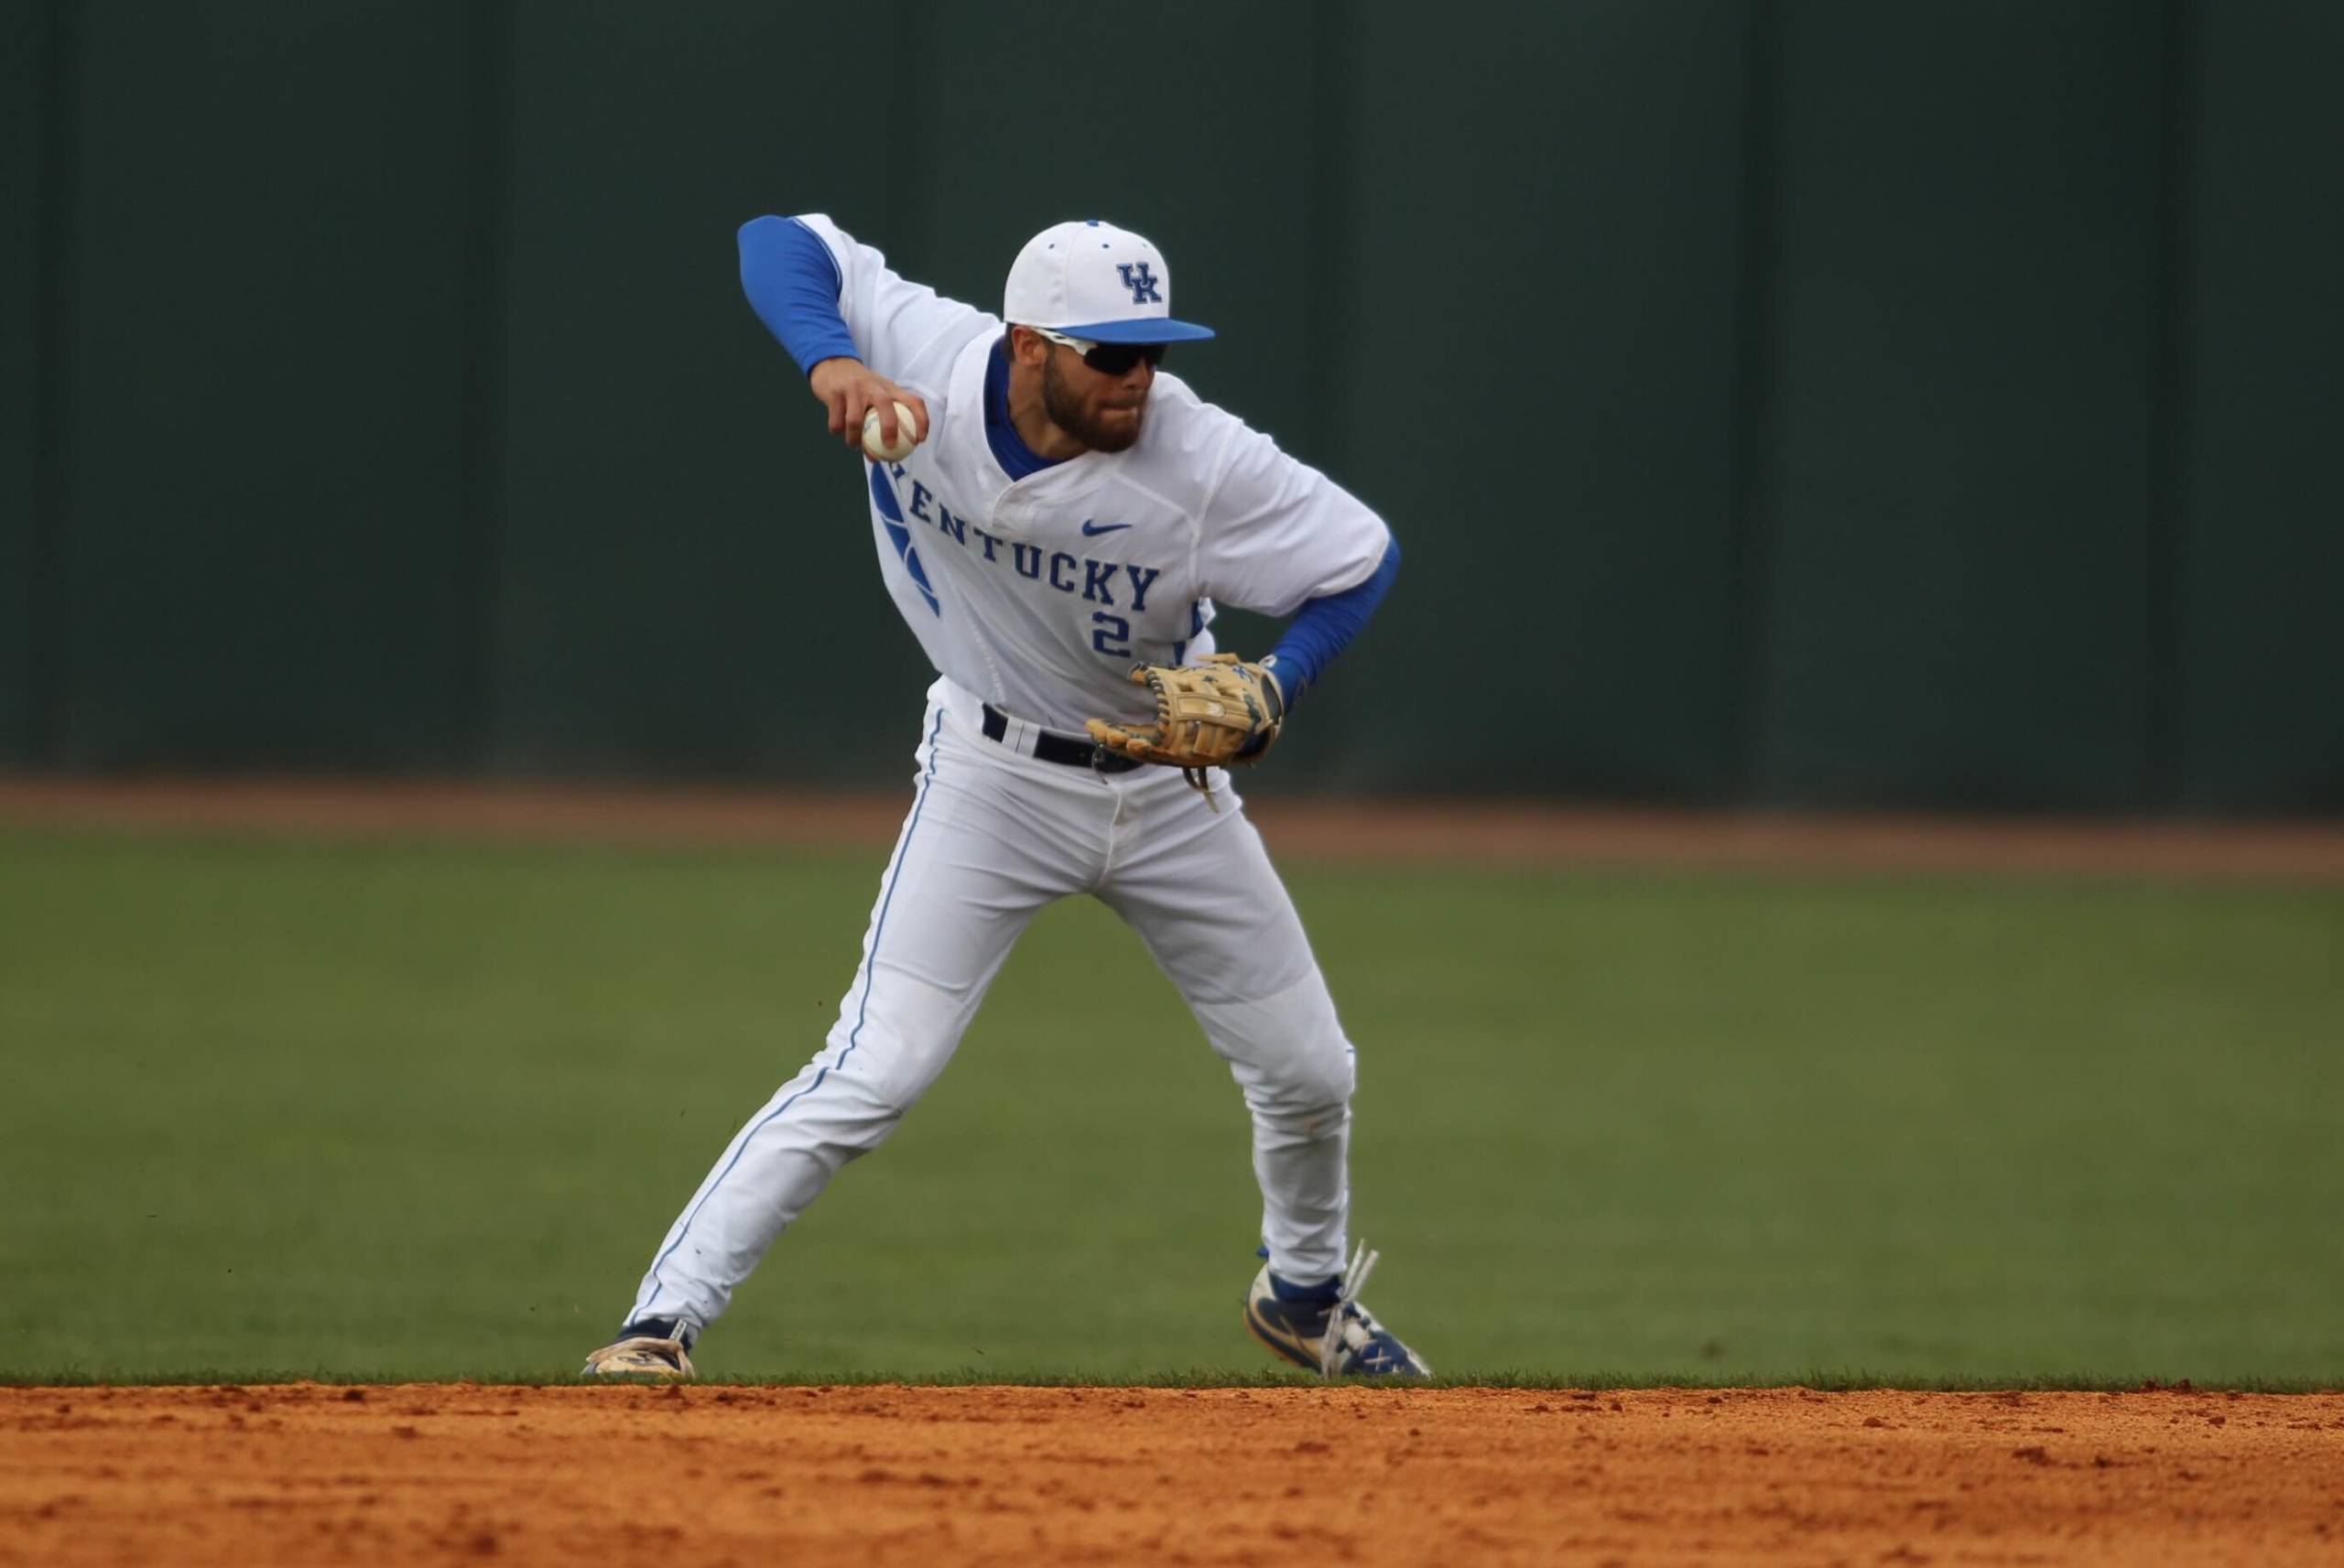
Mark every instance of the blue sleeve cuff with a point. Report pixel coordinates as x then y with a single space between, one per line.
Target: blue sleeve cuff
1324 627
793 284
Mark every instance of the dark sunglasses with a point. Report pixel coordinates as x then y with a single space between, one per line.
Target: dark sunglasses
1108 359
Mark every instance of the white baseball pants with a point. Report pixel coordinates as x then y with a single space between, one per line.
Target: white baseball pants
993 836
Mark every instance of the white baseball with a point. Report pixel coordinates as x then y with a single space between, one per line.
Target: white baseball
906 435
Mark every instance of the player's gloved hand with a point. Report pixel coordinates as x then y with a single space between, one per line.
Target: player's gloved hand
850 389
1208 715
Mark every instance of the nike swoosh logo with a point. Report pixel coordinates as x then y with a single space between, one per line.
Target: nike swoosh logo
1092 530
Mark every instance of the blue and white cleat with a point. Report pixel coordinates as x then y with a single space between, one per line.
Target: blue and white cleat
652 1347
1324 1328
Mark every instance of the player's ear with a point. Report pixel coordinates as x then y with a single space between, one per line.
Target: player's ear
1026 346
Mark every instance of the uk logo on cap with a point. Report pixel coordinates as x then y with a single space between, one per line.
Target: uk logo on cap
1139 280
1093 280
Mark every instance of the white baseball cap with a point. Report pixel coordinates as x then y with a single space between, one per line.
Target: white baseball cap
1091 279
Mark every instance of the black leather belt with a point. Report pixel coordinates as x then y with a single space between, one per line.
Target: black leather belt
1062 749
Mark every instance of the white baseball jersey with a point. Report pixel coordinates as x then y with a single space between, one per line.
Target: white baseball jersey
1039 594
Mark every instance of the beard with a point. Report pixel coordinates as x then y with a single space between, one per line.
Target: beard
1068 414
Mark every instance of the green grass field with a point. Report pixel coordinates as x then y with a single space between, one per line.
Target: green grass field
423 1111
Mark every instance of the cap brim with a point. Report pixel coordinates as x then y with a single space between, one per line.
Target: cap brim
1147 329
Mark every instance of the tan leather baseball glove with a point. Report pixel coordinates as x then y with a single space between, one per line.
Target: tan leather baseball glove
1208 715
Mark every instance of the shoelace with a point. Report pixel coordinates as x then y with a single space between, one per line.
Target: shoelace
1339 1317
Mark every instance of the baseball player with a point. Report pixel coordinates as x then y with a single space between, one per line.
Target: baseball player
1059 519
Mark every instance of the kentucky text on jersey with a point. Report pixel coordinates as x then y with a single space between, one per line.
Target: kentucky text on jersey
1097 581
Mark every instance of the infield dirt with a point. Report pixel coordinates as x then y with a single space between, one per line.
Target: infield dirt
711 1475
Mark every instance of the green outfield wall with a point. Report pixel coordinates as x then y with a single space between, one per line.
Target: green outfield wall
1787 402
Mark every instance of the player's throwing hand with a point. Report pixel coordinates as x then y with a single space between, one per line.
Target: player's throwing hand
851 389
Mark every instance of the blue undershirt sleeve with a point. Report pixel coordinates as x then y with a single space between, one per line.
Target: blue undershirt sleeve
793 283
1324 627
